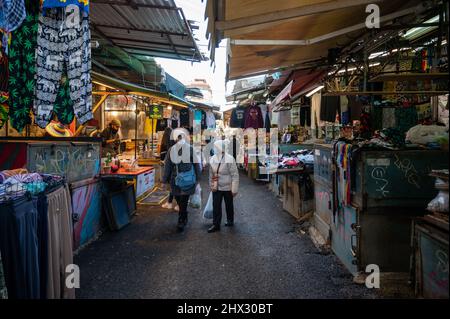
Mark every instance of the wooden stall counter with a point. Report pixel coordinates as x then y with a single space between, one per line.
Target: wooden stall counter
143 179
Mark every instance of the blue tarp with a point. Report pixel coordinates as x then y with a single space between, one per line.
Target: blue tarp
173 86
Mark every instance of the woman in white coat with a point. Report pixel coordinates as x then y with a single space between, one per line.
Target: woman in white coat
224 183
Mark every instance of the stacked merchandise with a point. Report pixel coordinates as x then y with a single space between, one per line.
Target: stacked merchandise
35 234
296 159
45 46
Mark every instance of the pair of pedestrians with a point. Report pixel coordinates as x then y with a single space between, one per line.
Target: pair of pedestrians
182 171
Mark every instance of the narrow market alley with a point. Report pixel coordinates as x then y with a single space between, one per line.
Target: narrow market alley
261 257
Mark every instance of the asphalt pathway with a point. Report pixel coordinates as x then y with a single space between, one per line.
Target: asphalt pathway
261 257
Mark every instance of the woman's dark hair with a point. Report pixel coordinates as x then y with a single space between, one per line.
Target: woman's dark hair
166 140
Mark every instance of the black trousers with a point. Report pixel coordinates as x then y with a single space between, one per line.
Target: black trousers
182 202
217 206
19 247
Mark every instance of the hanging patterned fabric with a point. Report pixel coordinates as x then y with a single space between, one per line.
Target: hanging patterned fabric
82 4
4 95
12 14
61 46
63 107
22 68
342 152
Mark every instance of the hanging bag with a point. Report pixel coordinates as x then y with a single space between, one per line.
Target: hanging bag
215 179
208 211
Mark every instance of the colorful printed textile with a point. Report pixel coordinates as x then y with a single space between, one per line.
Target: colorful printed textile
61 47
12 14
82 4
22 69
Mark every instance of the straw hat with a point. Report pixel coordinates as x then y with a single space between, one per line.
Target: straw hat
56 129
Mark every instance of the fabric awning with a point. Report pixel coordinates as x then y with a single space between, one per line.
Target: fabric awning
283 95
270 26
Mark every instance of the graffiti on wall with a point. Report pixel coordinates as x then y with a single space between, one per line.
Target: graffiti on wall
73 162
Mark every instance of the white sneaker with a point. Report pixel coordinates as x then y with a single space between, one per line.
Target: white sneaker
167 205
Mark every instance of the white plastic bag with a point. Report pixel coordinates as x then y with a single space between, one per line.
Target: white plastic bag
195 201
208 210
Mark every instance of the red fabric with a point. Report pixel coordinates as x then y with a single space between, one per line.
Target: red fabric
253 117
13 155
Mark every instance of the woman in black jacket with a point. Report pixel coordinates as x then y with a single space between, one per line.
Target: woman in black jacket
181 158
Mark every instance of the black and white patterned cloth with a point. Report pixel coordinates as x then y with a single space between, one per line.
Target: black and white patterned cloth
63 46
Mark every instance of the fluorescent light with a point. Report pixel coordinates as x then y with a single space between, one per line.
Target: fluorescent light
315 90
416 32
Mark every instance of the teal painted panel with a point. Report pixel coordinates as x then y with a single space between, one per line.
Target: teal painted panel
398 178
343 237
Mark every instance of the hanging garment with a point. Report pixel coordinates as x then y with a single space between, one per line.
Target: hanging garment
62 46
315 111
210 120
41 205
305 116
389 117
237 117
59 243
174 120
161 125
63 107
22 68
3 289
345 113
284 119
267 122
12 14
184 118
330 106
4 92
19 248
200 118
253 117
366 125
82 4
355 108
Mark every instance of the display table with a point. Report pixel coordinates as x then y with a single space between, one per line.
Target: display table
143 179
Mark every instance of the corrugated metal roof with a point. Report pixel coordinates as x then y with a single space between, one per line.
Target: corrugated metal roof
155 28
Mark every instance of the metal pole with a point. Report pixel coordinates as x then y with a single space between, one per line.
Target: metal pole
135 132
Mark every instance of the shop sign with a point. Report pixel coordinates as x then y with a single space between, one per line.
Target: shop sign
155 112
